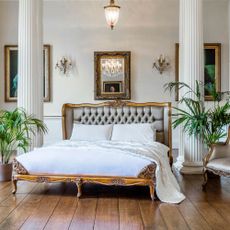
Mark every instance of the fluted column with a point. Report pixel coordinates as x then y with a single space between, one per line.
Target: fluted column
180 159
191 69
30 61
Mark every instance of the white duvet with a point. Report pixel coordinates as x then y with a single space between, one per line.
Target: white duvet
105 158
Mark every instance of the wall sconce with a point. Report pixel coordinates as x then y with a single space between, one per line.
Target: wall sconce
64 65
161 64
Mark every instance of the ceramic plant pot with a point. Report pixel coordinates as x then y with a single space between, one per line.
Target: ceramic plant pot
5 172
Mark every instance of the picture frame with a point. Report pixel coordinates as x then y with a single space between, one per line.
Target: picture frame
112 86
112 75
212 67
11 72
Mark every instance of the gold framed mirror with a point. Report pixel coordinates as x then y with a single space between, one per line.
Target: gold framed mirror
112 75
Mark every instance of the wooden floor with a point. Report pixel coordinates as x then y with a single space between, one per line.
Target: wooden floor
55 206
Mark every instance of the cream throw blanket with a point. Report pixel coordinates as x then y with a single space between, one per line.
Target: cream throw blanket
167 188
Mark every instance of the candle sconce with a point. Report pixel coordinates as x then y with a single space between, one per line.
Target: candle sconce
64 65
161 64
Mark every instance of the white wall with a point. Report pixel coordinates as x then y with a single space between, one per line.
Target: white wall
147 28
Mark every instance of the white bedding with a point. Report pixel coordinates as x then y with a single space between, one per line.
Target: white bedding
108 158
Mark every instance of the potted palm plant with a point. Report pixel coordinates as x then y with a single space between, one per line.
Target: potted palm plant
16 127
195 118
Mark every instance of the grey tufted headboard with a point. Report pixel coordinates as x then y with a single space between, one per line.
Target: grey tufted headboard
120 112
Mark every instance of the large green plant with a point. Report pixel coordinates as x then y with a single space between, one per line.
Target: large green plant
205 123
15 130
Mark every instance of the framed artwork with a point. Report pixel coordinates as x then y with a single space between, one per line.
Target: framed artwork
212 67
11 72
112 86
112 75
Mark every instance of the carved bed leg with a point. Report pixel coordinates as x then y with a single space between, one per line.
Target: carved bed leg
14 182
152 191
205 175
79 188
171 161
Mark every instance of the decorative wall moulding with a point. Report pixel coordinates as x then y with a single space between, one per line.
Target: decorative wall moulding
64 66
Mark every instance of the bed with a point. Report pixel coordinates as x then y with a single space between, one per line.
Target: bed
80 169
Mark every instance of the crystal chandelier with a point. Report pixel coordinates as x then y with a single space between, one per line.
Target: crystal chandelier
112 13
112 67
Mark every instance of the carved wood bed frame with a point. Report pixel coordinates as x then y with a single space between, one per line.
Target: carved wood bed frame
164 136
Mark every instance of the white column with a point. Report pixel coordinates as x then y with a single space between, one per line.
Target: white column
191 69
180 159
30 61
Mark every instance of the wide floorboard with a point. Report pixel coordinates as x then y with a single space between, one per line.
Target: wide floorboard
55 206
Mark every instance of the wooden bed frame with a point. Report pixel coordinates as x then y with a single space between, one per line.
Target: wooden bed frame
79 180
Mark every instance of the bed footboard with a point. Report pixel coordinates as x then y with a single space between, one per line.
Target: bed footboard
146 177
80 180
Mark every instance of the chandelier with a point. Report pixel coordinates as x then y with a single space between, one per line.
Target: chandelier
112 13
112 67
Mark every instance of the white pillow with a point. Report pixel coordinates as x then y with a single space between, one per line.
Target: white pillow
142 132
91 132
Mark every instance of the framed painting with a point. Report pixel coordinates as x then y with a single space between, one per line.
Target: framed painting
11 72
112 75
112 86
212 67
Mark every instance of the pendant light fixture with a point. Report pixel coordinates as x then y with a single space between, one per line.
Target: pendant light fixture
112 13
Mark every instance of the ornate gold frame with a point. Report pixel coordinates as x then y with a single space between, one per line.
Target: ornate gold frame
7 49
112 82
126 94
141 180
80 180
217 47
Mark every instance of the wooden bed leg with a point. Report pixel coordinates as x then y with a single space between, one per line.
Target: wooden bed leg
205 175
14 182
152 191
171 161
79 188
